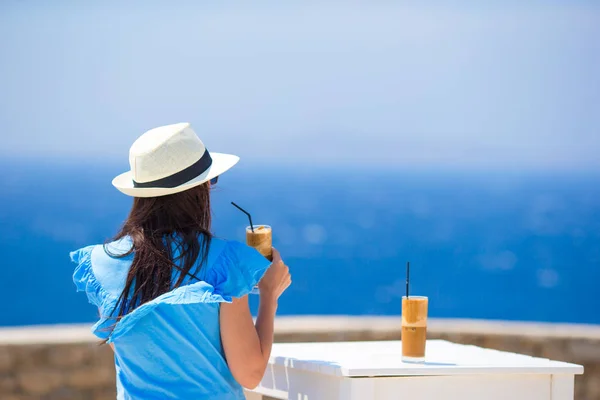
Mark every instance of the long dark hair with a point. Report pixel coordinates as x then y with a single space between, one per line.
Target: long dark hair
157 226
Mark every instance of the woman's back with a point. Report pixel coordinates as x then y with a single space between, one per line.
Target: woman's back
170 347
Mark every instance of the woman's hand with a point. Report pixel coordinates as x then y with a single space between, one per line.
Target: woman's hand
276 280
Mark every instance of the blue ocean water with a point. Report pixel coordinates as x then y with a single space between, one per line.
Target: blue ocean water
516 246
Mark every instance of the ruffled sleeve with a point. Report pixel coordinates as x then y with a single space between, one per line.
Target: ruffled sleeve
86 281
238 269
84 277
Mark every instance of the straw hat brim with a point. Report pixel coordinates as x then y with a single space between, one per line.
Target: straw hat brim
220 163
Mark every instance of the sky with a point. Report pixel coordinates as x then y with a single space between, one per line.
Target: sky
383 83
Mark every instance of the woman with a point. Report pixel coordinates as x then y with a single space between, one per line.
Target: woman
172 298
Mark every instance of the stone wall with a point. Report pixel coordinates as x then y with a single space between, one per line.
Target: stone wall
65 361
56 372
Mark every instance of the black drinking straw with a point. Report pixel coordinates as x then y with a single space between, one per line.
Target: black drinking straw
245 212
407 277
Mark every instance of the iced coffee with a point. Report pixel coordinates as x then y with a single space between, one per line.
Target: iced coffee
414 328
261 239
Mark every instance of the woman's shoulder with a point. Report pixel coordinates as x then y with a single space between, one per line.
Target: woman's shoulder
116 250
237 268
102 267
234 254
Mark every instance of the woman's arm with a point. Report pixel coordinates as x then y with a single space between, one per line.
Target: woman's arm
247 347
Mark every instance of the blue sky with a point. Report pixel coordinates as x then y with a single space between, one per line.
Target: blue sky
460 84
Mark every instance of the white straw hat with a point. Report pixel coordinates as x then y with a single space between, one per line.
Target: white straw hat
170 159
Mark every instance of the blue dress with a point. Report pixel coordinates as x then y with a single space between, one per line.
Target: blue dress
170 347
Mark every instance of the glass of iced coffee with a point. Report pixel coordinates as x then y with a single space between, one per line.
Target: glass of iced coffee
414 328
260 237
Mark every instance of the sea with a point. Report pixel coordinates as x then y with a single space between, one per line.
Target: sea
507 245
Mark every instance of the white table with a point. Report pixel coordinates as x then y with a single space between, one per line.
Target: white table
374 370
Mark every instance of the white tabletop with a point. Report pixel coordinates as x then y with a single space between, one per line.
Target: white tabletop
361 359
